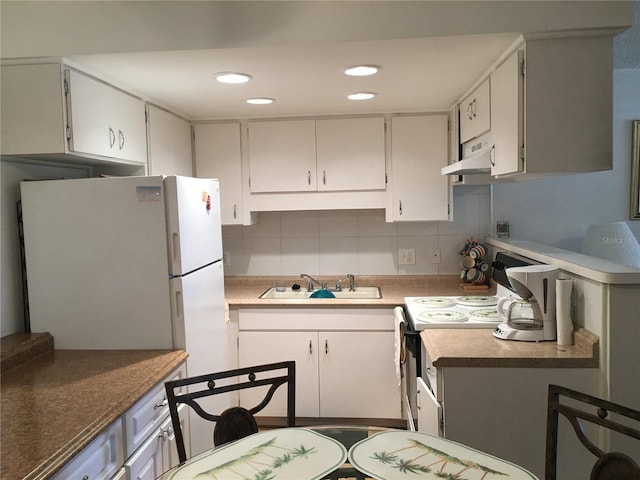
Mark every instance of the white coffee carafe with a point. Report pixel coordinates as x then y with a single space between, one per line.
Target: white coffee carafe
532 315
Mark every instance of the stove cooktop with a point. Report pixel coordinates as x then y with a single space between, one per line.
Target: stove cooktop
452 312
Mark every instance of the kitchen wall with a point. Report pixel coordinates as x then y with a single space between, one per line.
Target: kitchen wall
558 211
357 242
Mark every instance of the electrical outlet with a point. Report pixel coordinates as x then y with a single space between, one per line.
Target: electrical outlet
406 256
435 255
226 259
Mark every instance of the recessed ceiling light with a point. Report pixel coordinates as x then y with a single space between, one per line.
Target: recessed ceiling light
361 70
361 96
231 77
259 101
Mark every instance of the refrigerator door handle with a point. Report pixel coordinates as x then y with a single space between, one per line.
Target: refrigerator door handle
176 246
179 307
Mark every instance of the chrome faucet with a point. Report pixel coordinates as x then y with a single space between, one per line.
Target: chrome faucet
312 280
352 283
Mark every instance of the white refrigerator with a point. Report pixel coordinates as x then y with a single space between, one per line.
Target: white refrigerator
129 263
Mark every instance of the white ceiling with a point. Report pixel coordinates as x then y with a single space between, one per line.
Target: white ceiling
418 75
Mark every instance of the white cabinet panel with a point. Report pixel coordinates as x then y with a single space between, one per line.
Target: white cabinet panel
218 154
350 154
282 156
169 138
418 152
429 410
475 113
147 462
100 460
257 348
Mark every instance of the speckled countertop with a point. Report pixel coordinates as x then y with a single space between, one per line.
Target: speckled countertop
55 403
244 291
462 347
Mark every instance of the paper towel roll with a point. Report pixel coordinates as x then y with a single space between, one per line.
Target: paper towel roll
564 324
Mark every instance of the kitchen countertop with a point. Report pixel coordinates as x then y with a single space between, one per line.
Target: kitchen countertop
462 347
244 291
55 403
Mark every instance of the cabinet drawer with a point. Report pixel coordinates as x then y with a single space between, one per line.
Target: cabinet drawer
315 319
100 460
148 413
475 113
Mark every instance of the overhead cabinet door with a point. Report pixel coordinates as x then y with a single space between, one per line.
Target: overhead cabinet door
475 113
282 156
350 154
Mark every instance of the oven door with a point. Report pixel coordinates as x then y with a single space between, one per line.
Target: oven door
412 371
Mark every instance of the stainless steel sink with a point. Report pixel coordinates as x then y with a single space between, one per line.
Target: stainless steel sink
287 293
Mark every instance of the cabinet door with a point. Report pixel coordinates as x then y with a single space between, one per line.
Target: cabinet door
130 126
147 462
218 155
90 116
282 156
418 152
256 348
429 411
507 116
475 113
350 154
169 143
358 375
100 460
169 449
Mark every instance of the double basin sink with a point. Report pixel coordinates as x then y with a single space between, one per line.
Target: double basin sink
288 293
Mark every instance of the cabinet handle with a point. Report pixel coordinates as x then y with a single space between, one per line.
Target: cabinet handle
400 207
492 155
469 115
473 108
309 177
326 346
112 137
165 433
235 211
161 404
310 348
121 139
324 177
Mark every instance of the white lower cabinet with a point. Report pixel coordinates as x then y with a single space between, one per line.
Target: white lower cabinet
344 360
430 418
100 460
138 445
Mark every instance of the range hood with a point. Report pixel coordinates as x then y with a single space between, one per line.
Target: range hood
479 162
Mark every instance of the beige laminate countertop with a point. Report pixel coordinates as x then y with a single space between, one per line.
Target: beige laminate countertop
53 405
244 291
473 347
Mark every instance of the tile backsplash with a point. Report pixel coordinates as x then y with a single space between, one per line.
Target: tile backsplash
337 242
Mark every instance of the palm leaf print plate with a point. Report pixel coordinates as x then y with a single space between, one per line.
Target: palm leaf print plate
436 302
405 455
477 301
289 453
441 316
485 315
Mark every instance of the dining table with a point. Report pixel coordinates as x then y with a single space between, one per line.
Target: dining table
344 452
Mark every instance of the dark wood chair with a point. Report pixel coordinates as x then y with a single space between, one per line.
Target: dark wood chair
234 422
580 409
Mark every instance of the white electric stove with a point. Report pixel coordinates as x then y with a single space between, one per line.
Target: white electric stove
475 311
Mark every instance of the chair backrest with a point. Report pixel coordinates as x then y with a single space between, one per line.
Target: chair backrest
581 409
234 422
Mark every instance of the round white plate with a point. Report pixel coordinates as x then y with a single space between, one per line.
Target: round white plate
477 301
435 302
442 316
485 315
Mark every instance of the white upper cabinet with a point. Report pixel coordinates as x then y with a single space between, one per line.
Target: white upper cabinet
104 121
341 154
169 138
418 152
350 154
552 103
52 112
475 113
218 155
282 156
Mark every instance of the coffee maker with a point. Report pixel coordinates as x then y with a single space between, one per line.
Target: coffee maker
531 315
